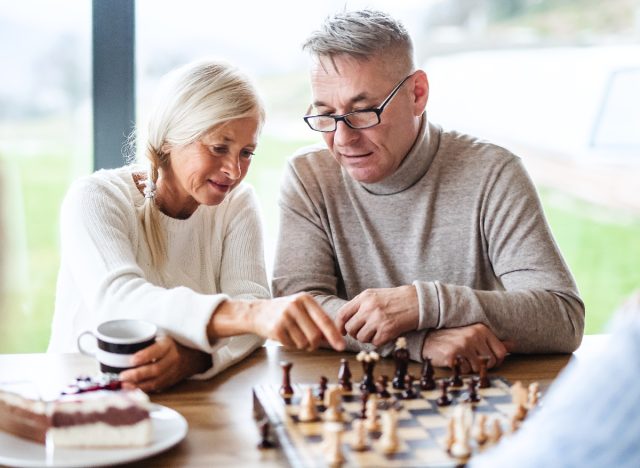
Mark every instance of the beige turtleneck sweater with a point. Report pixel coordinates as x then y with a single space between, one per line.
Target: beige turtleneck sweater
459 219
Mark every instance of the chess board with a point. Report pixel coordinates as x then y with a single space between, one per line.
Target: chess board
422 426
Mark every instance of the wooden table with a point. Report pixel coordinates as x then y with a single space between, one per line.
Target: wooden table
222 431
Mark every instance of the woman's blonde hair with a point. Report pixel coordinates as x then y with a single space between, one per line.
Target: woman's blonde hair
190 101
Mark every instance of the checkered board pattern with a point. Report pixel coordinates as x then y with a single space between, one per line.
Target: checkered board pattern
422 426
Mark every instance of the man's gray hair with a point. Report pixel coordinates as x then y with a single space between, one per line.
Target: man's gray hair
360 34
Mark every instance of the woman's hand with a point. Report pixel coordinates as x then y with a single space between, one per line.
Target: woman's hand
163 364
295 321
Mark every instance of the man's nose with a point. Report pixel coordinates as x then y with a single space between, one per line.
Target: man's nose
344 135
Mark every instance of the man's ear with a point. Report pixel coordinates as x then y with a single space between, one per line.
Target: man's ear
420 92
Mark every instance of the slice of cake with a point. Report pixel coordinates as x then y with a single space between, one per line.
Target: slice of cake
23 415
91 413
101 419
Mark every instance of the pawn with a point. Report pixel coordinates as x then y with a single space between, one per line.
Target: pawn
472 395
265 443
456 380
344 376
480 432
333 443
444 399
484 381
389 440
322 388
332 401
286 390
381 387
427 381
360 441
308 411
534 395
450 438
372 413
409 393
363 407
496 433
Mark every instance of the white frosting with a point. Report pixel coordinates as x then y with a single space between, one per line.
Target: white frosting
102 435
13 399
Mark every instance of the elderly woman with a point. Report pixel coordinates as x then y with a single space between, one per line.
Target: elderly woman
179 243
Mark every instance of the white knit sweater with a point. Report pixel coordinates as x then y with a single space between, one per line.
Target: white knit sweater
106 273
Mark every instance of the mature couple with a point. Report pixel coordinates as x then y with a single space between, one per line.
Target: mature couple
396 228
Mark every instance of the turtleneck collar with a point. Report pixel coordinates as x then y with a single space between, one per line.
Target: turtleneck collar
413 166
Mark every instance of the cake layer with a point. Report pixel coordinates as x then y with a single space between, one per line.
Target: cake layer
100 434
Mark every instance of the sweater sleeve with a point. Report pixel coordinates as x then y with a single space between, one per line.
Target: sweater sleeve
538 306
305 259
98 232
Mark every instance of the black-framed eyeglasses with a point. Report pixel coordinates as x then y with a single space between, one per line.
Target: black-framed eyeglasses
360 119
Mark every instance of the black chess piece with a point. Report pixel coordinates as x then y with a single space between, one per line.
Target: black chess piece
381 387
322 387
456 380
286 390
401 358
427 382
363 409
265 443
409 392
368 383
472 394
444 399
344 376
484 381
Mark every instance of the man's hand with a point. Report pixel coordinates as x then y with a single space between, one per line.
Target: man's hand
380 315
163 364
470 342
295 321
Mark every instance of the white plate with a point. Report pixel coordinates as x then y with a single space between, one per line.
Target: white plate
169 428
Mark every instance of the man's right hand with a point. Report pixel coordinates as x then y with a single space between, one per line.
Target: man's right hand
469 342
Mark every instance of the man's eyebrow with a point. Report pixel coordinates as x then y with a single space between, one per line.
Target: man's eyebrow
354 100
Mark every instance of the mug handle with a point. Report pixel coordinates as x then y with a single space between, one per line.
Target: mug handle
79 343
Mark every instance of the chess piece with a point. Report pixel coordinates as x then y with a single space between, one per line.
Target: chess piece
444 399
363 408
484 381
472 395
265 443
461 447
456 380
308 411
534 395
427 381
286 391
389 441
344 376
480 433
333 399
409 392
322 387
496 433
519 396
381 387
401 358
368 361
360 441
333 443
450 438
372 423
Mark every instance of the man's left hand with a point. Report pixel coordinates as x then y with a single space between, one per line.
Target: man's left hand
379 315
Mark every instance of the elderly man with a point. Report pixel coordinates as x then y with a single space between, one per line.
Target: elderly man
401 228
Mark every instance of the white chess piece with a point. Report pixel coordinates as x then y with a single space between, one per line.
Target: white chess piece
480 432
534 394
333 398
360 441
308 411
333 443
389 441
372 423
462 416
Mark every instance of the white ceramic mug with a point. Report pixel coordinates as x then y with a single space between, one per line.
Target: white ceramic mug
117 341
